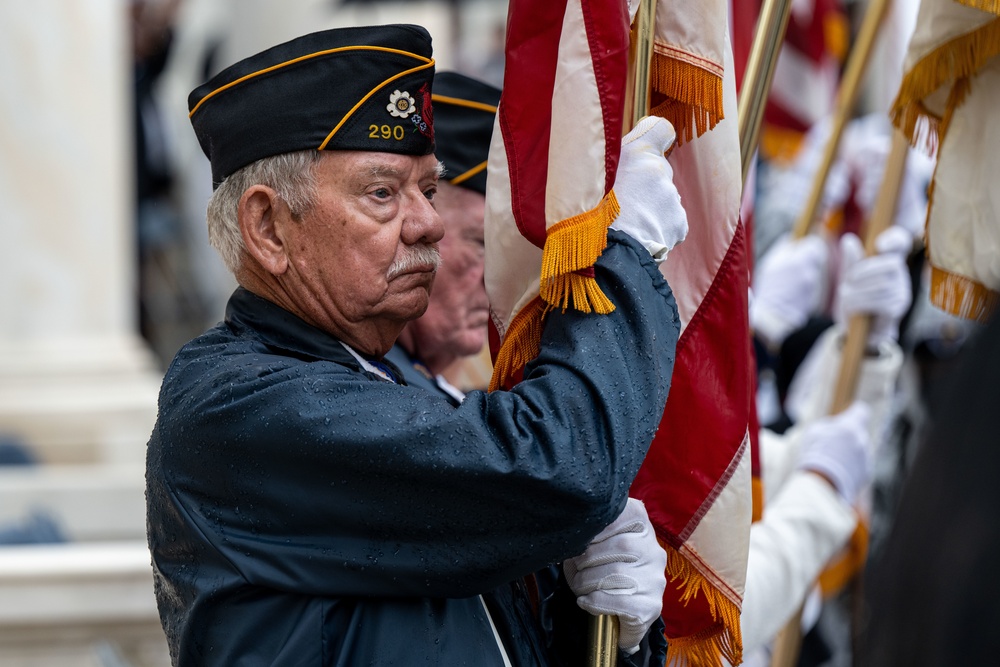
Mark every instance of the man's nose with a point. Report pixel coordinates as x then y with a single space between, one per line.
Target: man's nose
422 224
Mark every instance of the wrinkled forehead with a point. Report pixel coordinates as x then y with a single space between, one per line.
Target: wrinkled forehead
378 166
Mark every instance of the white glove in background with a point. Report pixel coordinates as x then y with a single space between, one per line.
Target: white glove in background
622 573
787 287
838 447
651 210
878 285
633 9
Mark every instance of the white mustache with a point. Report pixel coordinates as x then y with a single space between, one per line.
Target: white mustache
415 256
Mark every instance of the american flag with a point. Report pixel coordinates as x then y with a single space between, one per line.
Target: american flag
806 77
696 480
552 163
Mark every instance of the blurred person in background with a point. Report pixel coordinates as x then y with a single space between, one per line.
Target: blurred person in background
170 308
816 473
455 323
932 590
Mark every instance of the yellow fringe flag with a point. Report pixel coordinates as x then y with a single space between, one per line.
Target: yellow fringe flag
551 167
687 68
947 104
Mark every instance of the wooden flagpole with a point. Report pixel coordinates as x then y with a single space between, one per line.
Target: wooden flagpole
881 219
847 96
602 649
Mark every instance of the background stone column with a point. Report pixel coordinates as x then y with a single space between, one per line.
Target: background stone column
76 381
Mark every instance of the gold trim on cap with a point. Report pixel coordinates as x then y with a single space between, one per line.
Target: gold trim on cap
429 62
371 92
469 174
457 101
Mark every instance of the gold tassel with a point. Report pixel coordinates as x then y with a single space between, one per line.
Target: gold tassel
837 35
521 343
724 639
687 95
847 565
961 296
574 245
780 144
704 649
957 59
757 499
991 6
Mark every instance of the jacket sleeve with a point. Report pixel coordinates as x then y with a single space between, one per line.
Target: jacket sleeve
308 478
811 391
801 530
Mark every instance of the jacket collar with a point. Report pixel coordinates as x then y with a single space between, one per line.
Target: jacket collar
278 328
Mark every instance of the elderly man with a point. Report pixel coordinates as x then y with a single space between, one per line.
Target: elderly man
306 505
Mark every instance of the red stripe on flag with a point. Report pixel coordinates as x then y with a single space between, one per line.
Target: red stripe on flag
709 404
609 53
778 115
809 36
525 112
744 15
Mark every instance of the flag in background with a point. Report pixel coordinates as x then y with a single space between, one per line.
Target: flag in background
947 102
743 23
696 479
806 76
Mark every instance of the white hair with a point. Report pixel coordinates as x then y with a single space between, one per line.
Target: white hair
289 174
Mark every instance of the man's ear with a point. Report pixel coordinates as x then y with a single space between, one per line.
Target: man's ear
258 213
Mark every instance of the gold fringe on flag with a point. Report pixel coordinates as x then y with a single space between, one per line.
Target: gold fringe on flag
991 6
521 343
837 35
962 296
573 245
957 59
757 499
693 94
843 569
780 144
724 639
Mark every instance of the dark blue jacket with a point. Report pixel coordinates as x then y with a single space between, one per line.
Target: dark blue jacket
302 511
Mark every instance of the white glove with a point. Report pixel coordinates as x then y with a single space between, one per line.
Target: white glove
838 448
787 287
622 573
633 9
651 210
878 285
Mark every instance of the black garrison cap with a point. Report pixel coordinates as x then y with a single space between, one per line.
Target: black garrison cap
365 88
465 110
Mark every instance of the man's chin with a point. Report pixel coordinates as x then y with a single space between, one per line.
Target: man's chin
471 342
411 303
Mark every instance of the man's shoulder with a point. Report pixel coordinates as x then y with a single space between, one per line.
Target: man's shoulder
225 357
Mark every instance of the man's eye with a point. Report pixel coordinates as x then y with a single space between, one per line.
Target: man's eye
382 193
430 193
